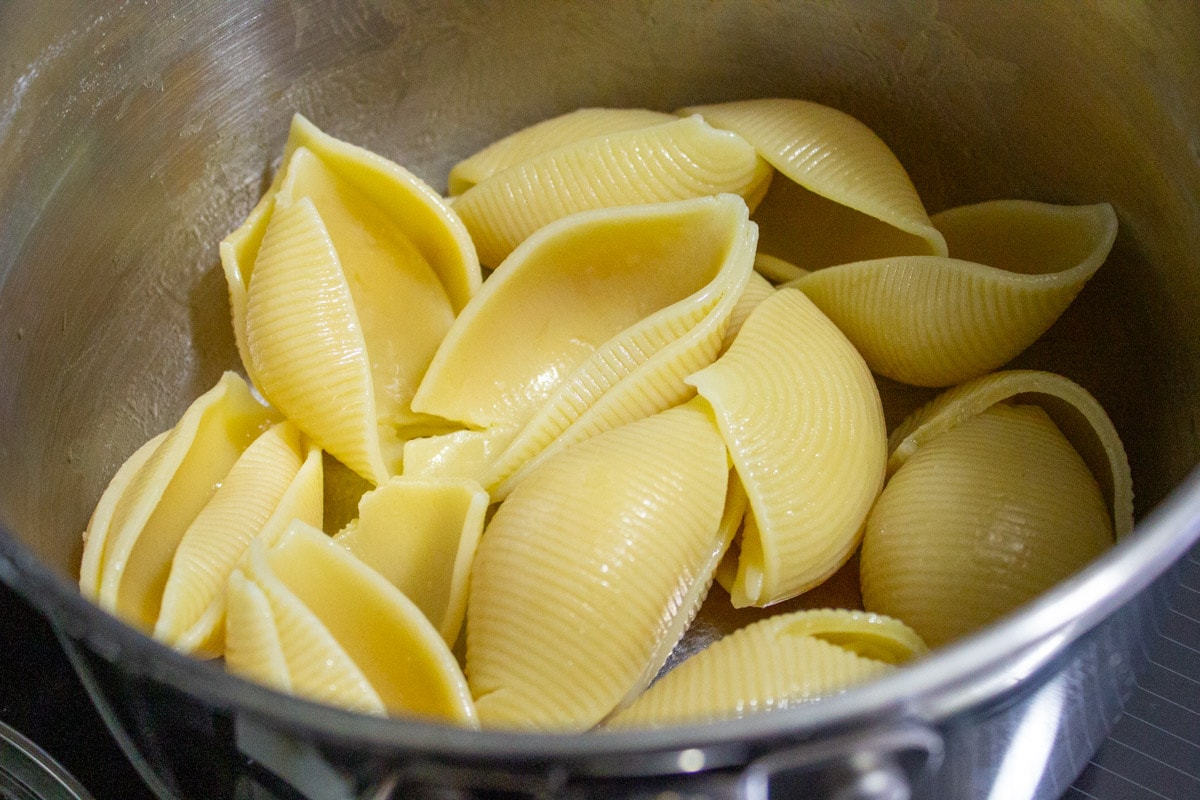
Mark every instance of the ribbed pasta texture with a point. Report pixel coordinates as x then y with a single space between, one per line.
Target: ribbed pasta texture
587 566
672 161
803 422
979 520
777 663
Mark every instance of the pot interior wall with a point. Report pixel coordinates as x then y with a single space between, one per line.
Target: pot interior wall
132 140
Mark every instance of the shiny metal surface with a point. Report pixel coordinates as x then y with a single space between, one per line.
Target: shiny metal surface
133 136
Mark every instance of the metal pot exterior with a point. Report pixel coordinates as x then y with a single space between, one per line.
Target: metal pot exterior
133 137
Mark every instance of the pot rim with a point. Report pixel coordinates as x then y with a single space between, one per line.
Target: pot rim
949 679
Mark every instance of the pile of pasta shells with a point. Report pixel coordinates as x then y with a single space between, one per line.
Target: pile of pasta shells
504 502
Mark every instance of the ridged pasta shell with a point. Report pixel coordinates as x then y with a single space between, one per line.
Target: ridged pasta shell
252 645
584 574
1000 500
617 284
846 197
436 231
757 289
776 270
421 535
934 321
800 414
776 663
387 642
152 506
343 315
1074 411
672 161
643 370
458 454
550 134
277 479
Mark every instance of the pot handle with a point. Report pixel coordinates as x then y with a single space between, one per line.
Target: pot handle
884 765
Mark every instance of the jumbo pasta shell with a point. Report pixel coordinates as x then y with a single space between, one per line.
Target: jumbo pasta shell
421 535
1075 412
253 648
672 161
933 321
1000 500
776 663
800 414
845 198
384 636
643 370
343 315
427 221
580 578
616 284
277 479
164 495
550 134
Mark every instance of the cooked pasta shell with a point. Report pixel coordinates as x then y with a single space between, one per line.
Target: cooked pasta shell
614 284
421 535
317 665
800 414
277 479
591 569
1000 500
343 315
777 663
252 645
845 198
1074 411
776 270
156 503
427 221
675 160
458 454
394 651
643 370
933 321
757 289
550 134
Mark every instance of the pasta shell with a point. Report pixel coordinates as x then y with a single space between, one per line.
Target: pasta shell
643 370
1000 500
591 569
757 289
458 454
550 134
389 645
343 315
933 321
277 479
157 502
672 161
776 270
777 663
1074 411
421 535
614 284
252 645
800 414
436 231
846 197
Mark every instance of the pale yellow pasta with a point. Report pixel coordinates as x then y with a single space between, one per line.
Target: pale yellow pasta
802 419
934 321
757 289
368 638
672 161
435 231
277 479
343 314
980 519
155 504
550 134
1074 411
587 564
841 194
628 279
643 370
776 270
421 535
458 454
774 664
253 648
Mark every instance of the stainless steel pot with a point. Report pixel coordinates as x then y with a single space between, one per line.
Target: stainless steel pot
133 136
